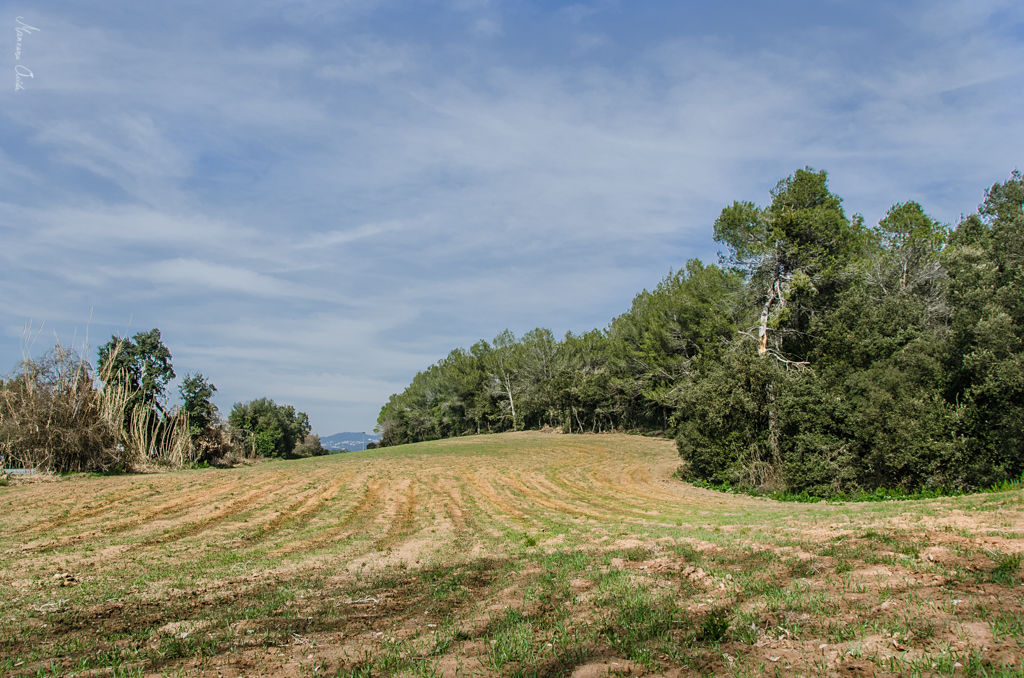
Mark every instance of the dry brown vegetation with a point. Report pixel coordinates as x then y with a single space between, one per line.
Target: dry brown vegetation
56 417
52 416
516 554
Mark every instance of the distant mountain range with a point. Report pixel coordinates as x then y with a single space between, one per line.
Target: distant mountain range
349 441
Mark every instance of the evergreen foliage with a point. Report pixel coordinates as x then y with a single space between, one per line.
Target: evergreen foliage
142 364
277 430
196 391
819 358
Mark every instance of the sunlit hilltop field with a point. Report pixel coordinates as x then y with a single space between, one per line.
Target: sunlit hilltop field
517 554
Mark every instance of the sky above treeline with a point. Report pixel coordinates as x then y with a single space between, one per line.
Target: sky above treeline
315 200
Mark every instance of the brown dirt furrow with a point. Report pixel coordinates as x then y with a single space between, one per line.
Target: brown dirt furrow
436 505
641 481
603 506
342 529
634 487
37 503
454 508
417 563
303 509
585 502
85 510
546 500
188 498
619 501
402 522
234 507
489 495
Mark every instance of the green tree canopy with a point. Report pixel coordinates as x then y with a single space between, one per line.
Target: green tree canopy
276 429
907 342
142 363
653 345
196 391
985 263
792 253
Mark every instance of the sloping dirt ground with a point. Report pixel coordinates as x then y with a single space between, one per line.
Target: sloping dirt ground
518 554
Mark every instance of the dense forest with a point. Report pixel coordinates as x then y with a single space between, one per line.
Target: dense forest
819 354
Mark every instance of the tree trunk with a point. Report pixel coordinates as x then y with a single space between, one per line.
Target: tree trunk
775 293
511 401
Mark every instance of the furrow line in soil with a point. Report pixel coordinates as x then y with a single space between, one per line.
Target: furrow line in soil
83 512
490 496
173 507
542 499
603 506
303 510
454 508
402 522
234 507
341 530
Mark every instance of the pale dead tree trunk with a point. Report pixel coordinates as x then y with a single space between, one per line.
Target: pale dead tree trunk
507 383
776 296
502 364
578 422
762 335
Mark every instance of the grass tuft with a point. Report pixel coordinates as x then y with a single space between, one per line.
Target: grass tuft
715 626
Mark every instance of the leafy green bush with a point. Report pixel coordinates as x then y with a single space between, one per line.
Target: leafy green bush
723 422
276 429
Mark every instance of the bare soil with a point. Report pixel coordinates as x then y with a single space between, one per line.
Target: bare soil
518 554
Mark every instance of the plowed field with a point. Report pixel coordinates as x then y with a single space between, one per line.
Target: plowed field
518 554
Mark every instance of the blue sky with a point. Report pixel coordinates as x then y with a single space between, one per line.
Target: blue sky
313 201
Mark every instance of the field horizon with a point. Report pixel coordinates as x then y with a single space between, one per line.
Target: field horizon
515 554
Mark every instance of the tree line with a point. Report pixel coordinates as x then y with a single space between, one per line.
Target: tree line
258 427
58 413
819 354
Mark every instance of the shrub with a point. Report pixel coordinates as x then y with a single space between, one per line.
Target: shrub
276 429
53 418
309 447
723 422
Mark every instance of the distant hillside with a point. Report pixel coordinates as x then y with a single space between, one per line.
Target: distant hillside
349 441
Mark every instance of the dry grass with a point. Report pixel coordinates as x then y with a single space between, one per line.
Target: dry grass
54 418
518 554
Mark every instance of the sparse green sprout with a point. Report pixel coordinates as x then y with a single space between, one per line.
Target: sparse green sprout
1007 568
715 626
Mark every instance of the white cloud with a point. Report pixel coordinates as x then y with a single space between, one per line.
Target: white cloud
581 11
180 276
588 42
341 237
313 204
367 60
109 228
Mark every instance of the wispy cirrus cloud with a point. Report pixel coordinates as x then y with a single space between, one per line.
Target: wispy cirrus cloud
313 202
188 276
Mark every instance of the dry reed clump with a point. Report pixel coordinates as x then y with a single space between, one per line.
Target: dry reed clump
54 418
164 442
224 446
